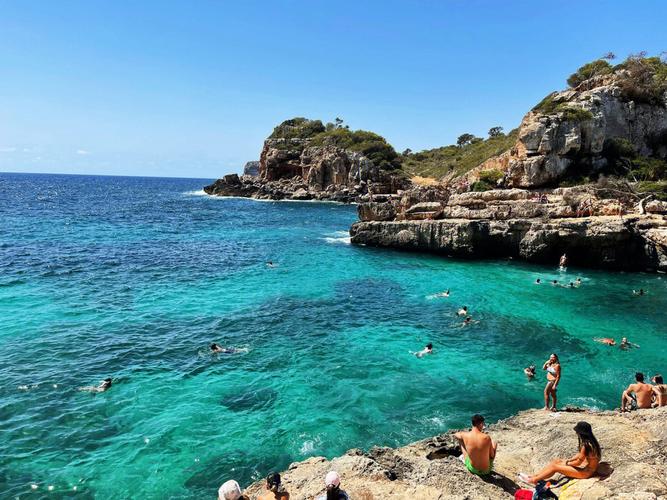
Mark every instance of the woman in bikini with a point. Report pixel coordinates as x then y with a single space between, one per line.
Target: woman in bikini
581 466
552 366
659 391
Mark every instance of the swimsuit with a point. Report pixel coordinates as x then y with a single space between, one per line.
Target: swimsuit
472 469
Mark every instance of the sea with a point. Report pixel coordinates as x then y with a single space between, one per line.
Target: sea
133 278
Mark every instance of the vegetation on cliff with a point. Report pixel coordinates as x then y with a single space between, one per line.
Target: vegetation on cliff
299 132
459 159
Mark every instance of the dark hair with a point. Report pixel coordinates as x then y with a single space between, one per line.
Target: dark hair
556 356
333 492
587 439
108 379
273 481
477 419
658 379
555 281
639 377
213 345
429 346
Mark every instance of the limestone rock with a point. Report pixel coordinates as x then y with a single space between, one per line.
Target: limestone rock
251 168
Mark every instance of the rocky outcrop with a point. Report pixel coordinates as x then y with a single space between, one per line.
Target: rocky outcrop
568 134
251 168
291 169
634 461
534 226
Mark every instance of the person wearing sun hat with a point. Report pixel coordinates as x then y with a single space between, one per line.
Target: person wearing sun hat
231 491
332 482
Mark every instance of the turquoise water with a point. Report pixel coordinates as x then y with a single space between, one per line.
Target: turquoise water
133 278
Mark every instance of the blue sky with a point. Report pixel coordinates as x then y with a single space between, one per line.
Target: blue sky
192 88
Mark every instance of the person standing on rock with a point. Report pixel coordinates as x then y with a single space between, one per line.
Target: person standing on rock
552 366
563 261
478 448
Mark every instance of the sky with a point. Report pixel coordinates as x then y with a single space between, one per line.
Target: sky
192 88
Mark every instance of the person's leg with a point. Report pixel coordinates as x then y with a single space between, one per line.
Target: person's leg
553 398
547 389
558 466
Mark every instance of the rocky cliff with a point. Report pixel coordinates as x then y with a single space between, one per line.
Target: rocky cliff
302 160
578 132
251 168
634 461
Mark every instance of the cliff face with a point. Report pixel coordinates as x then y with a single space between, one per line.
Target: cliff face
634 461
569 133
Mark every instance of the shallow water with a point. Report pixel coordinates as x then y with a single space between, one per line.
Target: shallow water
134 278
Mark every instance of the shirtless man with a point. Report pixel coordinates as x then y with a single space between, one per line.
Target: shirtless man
478 448
639 394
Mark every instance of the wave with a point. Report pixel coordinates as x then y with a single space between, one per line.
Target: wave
337 238
198 192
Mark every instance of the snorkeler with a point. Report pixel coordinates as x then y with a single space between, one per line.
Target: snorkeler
104 385
530 371
605 340
463 311
625 344
222 350
426 350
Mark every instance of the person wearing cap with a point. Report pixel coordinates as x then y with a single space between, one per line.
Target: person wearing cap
332 482
478 448
274 489
581 466
231 491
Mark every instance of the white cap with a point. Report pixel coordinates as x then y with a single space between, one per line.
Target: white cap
229 491
332 479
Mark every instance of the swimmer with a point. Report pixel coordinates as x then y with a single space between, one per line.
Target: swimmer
571 284
578 282
605 340
554 282
468 321
222 350
463 311
104 385
443 294
625 344
538 281
270 264
639 293
426 350
530 371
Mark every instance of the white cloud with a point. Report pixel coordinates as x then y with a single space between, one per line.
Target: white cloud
7 150
82 152
26 150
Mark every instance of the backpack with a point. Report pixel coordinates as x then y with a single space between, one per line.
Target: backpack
543 491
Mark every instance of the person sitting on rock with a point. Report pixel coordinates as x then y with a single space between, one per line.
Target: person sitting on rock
581 466
274 489
659 391
477 447
332 482
637 395
463 311
231 491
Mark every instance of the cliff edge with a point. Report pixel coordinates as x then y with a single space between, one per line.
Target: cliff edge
634 461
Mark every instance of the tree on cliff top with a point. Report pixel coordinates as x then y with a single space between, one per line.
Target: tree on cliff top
297 128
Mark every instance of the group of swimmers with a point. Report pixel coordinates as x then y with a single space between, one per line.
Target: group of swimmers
275 490
573 284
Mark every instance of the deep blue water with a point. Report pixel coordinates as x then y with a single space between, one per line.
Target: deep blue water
134 277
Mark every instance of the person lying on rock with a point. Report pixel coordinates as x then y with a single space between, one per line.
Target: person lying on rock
637 395
581 466
478 448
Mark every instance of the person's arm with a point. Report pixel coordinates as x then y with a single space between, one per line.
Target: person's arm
547 362
576 460
625 395
557 377
460 437
492 450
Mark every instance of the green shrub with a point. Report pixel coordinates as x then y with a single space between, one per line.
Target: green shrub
659 189
297 128
482 186
575 114
643 79
371 145
491 176
589 70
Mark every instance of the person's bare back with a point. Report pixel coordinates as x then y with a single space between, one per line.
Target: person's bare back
478 448
643 393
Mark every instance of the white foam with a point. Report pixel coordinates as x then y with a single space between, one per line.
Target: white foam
337 238
198 192
307 447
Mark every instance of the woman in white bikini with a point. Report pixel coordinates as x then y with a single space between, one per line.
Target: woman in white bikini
552 366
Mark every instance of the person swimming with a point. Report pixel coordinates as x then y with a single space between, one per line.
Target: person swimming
463 311
639 293
443 294
554 282
270 264
426 350
538 281
578 281
626 344
104 386
605 340
530 371
215 348
571 284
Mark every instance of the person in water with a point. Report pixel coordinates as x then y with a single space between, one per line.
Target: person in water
639 293
626 344
581 466
530 371
552 366
659 391
334 492
270 264
538 281
426 350
605 340
105 385
638 395
463 311
578 282
215 348
273 488
477 447
554 282
563 260
444 294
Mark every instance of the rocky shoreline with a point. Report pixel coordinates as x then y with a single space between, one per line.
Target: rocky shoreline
634 461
